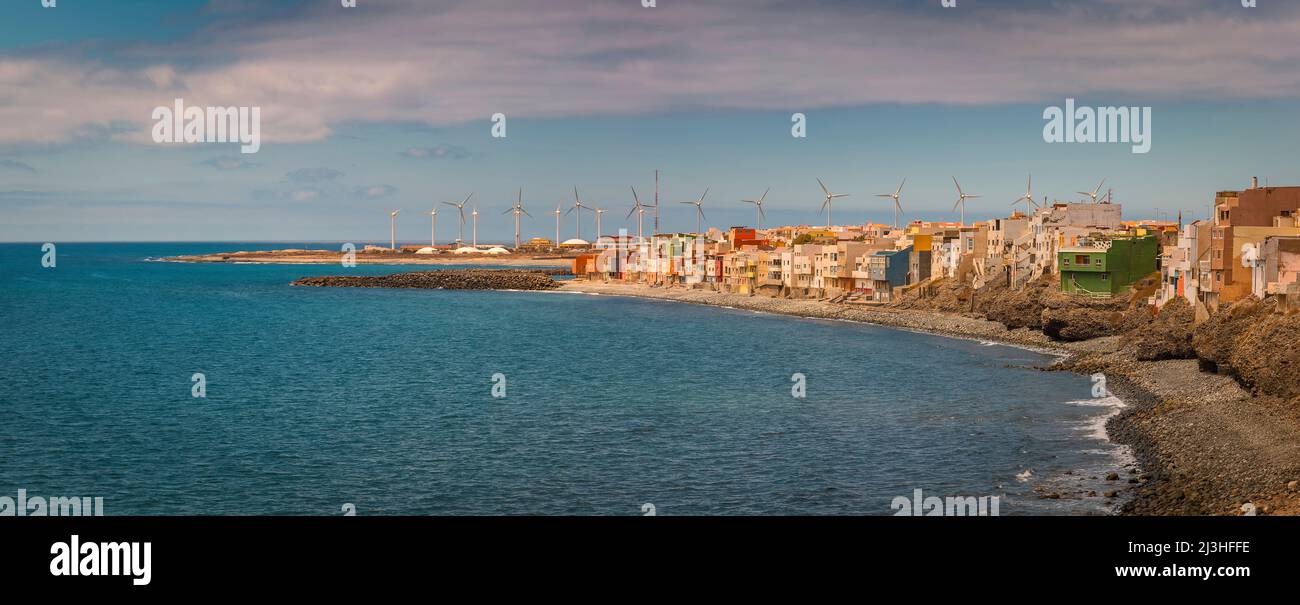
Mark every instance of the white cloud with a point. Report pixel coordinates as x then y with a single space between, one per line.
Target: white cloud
454 62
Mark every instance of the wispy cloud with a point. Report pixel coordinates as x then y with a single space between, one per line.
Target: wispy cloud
454 61
313 175
437 152
16 165
375 191
227 162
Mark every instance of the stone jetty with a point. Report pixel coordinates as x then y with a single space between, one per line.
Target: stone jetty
456 279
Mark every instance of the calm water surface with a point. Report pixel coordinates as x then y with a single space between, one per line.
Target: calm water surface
382 398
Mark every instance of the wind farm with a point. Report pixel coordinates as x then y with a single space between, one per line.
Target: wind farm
525 249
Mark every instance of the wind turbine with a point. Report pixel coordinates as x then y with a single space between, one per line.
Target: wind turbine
577 205
1094 192
518 209
557 226
758 205
474 216
961 200
1028 197
898 207
598 211
826 205
699 211
392 227
433 231
639 208
460 206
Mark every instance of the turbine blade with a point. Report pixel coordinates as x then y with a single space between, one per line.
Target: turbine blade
900 186
764 196
954 181
525 212
824 189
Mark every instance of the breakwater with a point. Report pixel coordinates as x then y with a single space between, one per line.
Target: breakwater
461 279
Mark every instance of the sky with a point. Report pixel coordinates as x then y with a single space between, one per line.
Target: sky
388 105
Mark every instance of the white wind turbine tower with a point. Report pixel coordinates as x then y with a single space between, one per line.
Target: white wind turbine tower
598 211
518 209
1094 193
558 213
639 209
898 206
577 205
758 205
474 228
433 231
826 205
961 200
1028 197
699 211
392 227
460 207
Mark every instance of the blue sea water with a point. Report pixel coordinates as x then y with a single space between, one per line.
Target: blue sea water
317 397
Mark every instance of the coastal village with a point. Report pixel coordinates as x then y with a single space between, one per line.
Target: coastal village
1250 247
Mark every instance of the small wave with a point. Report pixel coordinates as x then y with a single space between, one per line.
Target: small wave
1110 401
1024 475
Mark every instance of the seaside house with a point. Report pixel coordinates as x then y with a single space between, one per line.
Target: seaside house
801 271
1107 266
919 258
1242 221
888 269
1272 264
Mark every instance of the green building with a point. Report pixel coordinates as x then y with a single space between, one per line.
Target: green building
1108 271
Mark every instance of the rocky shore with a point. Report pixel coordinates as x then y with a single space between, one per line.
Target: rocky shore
464 279
1207 442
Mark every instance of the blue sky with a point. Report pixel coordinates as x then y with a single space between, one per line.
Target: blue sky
600 94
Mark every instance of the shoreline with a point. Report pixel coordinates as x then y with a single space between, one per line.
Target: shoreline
1164 405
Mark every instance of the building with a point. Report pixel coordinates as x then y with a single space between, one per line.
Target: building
1106 267
888 269
1243 220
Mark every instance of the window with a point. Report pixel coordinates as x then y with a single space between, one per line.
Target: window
1105 276
1081 259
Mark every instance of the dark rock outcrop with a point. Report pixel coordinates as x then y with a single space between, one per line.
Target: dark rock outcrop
1255 342
461 279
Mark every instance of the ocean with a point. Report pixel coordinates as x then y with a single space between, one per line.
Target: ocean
320 399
